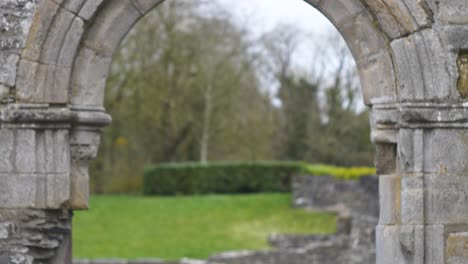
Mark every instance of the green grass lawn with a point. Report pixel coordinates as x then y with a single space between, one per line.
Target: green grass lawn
194 226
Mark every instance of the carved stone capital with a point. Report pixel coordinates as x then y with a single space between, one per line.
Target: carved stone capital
388 119
420 115
84 144
46 149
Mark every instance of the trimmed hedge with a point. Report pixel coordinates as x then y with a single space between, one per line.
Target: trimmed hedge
196 178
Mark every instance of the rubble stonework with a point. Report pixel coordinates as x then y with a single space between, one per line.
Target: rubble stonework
359 196
411 55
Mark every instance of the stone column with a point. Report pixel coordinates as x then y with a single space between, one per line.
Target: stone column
44 156
424 198
421 138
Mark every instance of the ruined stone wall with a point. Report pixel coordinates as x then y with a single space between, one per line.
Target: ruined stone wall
412 60
15 20
35 236
28 236
360 196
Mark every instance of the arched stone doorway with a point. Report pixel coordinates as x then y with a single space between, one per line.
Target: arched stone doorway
411 57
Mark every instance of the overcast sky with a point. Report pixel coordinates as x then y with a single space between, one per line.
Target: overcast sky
264 14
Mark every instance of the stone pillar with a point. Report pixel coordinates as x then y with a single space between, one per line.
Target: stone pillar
44 156
424 199
30 236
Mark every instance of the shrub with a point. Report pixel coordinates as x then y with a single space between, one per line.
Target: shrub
195 178
345 173
247 177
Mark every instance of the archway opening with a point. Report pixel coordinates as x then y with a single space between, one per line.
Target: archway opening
211 90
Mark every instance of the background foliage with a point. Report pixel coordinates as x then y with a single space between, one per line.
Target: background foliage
190 84
222 178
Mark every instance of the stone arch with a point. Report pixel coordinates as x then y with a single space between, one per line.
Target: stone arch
69 50
70 46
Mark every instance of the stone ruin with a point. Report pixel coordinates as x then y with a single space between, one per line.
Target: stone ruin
412 57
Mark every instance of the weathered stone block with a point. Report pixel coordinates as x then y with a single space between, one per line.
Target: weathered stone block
25 151
410 151
110 27
341 11
446 152
17 191
57 151
34 191
388 245
450 11
457 248
43 19
422 65
419 11
369 41
446 199
376 87
385 159
73 6
453 37
56 36
6 150
400 17
435 243
69 48
8 67
412 243
390 199
89 8
412 200
58 191
90 78
41 83
388 14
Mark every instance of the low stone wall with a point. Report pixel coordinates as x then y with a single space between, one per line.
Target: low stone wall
325 192
138 261
34 236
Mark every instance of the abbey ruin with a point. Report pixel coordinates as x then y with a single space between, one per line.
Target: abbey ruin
412 57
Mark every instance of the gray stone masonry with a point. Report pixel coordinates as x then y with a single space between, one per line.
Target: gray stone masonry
360 196
412 57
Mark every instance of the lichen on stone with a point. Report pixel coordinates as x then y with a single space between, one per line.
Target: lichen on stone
462 63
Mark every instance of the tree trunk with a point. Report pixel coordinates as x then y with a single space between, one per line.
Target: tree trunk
205 138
